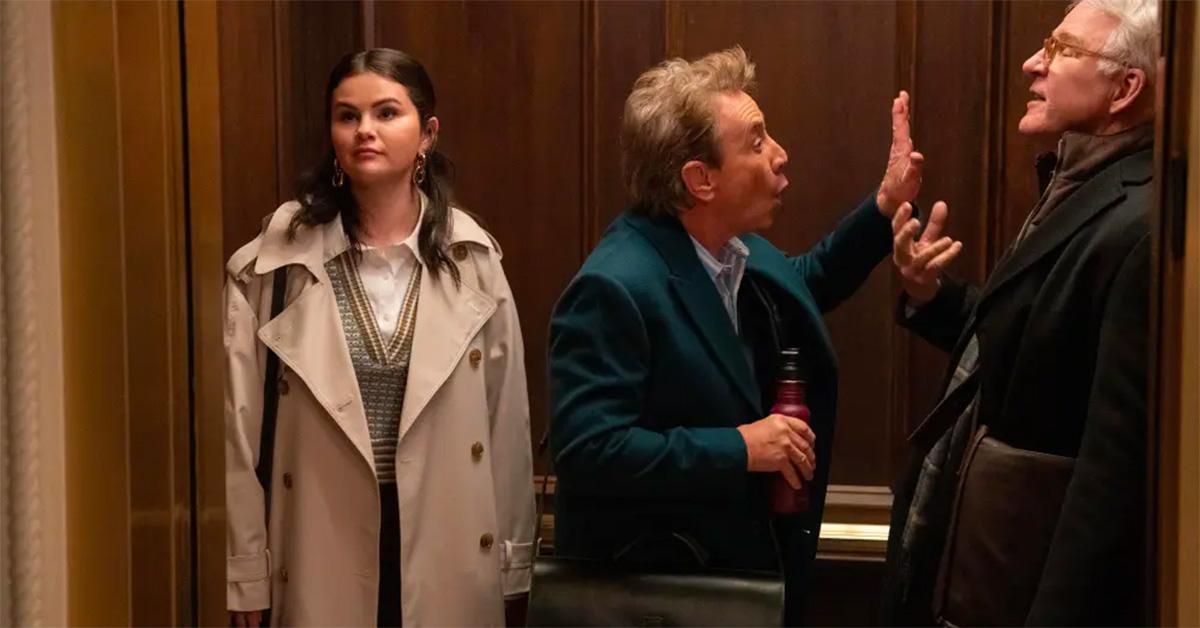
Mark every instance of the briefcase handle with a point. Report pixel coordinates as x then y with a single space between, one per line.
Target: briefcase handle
695 550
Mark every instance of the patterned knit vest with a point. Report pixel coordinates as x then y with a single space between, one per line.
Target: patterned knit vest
382 371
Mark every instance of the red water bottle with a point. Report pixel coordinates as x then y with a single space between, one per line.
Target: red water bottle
789 401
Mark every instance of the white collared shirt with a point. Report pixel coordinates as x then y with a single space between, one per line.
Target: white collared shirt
385 272
726 270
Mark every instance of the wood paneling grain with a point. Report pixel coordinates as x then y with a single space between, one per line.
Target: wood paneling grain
207 258
950 90
629 40
1026 25
151 154
311 37
249 119
93 285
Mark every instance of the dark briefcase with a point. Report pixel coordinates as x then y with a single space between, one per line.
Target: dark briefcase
1003 523
583 592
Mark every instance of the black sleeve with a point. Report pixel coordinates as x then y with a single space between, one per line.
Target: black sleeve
940 321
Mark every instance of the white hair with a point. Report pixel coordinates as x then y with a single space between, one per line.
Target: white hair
1134 41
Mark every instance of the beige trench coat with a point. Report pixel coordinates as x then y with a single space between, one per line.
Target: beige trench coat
463 462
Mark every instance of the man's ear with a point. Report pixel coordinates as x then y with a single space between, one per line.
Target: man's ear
698 180
1129 88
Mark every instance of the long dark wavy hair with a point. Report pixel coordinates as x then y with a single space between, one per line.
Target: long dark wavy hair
321 202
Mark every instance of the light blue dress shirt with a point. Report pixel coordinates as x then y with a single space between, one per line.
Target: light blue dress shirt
726 269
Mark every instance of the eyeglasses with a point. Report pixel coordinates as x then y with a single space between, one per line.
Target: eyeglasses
1052 46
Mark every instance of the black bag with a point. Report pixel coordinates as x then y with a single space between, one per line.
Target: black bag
618 592
582 592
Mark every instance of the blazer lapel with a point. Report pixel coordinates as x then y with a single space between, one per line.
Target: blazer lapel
708 315
699 298
307 336
768 263
447 319
1094 197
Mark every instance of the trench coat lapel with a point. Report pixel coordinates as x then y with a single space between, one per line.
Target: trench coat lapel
448 317
308 338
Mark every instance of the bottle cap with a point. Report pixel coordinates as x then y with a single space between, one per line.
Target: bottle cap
790 366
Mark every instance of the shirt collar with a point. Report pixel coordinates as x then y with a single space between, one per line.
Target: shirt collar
731 255
412 242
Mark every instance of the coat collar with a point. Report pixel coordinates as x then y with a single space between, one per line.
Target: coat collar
308 337
313 247
1093 198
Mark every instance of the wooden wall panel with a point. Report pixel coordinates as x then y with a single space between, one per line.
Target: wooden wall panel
125 337
1025 25
826 98
629 37
274 60
510 83
249 119
207 317
950 79
94 351
156 312
311 37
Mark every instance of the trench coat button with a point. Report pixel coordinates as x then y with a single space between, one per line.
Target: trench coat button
283 575
477 451
485 541
287 480
283 385
460 252
475 357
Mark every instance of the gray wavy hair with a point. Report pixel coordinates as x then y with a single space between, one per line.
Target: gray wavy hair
669 120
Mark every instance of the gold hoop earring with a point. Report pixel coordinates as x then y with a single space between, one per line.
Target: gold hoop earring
419 169
339 175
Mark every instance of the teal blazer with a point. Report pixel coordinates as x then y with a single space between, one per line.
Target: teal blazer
649 380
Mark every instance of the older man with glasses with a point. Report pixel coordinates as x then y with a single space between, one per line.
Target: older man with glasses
1025 495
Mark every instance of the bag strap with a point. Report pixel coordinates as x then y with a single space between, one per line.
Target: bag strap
266 443
774 320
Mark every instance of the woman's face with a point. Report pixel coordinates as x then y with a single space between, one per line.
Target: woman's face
376 130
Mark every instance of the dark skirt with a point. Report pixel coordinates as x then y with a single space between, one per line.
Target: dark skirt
389 557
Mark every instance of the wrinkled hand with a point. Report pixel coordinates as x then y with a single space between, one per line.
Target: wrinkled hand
780 443
902 179
920 261
245 619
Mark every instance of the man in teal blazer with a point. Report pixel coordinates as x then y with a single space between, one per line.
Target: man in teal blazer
663 348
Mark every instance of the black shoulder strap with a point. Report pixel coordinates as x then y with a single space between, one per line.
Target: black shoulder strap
266 443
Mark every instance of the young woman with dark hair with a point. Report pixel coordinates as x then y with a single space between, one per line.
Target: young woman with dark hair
401 489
